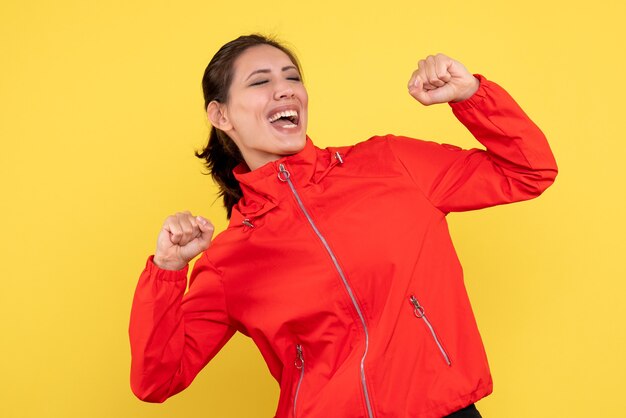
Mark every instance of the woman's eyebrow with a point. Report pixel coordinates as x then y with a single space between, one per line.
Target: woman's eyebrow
267 70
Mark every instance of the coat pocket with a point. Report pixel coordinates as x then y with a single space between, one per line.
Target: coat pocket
420 313
299 365
290 382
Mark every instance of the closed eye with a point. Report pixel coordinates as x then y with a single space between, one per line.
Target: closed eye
258 83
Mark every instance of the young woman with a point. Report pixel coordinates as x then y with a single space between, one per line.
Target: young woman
337 262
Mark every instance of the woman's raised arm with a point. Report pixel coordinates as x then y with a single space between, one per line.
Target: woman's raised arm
173 335
517 163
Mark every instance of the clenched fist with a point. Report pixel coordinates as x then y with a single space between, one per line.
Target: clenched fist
182 237
440 79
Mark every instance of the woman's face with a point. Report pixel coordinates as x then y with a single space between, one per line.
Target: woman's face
267 106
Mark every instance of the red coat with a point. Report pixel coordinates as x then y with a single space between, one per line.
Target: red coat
339 265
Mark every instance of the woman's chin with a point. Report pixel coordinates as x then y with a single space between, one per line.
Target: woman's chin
292 145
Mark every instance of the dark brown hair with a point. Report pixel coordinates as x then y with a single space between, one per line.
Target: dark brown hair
221 155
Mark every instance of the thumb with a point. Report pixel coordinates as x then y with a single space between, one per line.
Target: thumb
457 69
416 89
206 229
419 93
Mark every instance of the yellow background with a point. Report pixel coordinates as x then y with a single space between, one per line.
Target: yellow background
101 110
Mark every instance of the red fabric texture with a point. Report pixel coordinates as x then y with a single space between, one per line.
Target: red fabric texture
381 208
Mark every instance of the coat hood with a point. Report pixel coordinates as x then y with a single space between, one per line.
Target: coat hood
260 187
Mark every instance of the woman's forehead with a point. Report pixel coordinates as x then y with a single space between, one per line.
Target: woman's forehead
261 57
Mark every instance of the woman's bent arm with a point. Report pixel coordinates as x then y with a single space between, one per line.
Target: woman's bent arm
516 165
173 335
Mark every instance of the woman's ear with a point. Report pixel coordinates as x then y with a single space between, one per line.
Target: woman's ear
217 116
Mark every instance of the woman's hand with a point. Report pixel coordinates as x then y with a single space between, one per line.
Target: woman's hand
182 237
440 79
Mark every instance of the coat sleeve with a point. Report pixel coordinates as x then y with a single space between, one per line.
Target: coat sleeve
174 334
516 165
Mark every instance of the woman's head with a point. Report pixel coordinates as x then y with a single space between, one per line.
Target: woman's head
257 106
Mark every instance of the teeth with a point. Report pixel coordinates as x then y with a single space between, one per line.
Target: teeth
284 114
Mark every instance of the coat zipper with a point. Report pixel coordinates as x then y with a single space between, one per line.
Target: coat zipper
285 176
299 363
419 312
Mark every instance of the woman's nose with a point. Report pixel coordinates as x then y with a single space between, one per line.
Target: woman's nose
283 91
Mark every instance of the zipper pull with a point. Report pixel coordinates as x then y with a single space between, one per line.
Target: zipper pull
299 362
283 174
418 310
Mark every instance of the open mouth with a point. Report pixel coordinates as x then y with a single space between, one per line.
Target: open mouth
288 119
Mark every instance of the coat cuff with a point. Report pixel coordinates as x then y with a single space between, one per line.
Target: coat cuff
166 275
475 99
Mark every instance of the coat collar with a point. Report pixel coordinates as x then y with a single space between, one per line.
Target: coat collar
262 188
